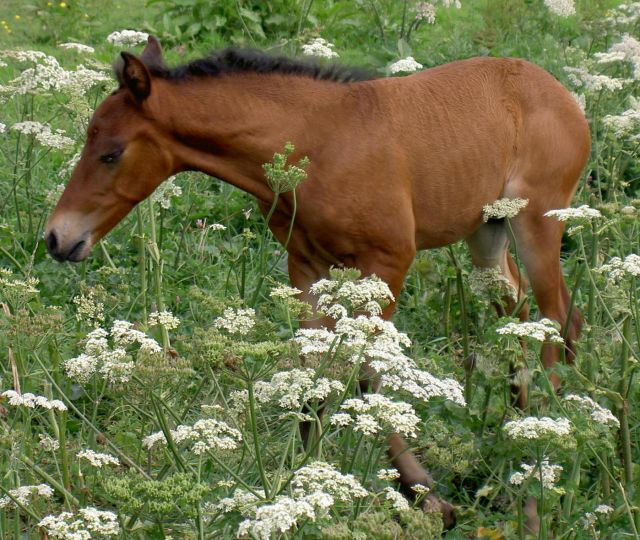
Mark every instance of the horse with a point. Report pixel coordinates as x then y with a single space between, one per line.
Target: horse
397 164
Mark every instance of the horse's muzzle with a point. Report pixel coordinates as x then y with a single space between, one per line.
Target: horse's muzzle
67 251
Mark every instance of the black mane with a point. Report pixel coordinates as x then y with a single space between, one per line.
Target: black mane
234 60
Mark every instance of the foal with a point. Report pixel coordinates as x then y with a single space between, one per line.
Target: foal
396 165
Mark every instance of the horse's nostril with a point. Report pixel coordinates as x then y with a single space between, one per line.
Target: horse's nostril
51 240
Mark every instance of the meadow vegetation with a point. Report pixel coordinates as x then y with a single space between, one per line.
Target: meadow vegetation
158 389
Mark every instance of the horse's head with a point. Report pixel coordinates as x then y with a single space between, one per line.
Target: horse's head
124 159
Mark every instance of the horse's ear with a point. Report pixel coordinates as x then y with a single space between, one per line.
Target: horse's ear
152 54
133 74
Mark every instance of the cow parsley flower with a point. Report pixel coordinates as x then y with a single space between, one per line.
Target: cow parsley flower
237 321
625 122
292 389
277 517
204 435
629 49
582 78
619 269
549 474
97 459
164 318
561 8
88 308
406 65
503 208
44 134
319 47
375 412
388 474
284 292
598 413
323 477
78 47
48 443
84 525
531 428
127 38
567 214
338 297
426 11
396 499
31 401
165 191
490 284
545 330
603 509
25 494
3 128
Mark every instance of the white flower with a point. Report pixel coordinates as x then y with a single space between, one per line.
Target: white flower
549 473
397 500
319 47
24 495
205 434
619 269
582 212
562 8
217 227
79 47
603 509
388 474
97 459
531 428
406 65
31 401
598 413
503 208
452 3
127 38
163 193
581 100
292 389
629 49
3 128
48 444
624 122
426 11
278 517
375 412
284 292
237 321
84 525
580 77
81 368
88 308
43 134
164 318
323 477
545 330
490 284
366 294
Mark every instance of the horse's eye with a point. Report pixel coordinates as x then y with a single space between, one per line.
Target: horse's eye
112 157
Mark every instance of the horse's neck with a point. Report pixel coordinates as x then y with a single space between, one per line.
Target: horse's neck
228 127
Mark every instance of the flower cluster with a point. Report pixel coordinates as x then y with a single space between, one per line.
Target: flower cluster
338 297
31 401
323 477
204 435
490 284
78 47
44 134
88 308
237 321
84 525
426 11
24 494
549 474
97 459
503 208
127 38
567 214
284 292
545 330
292 389
164 318
112 363
531 428
598 413
406 65
319 47
619 269
375 413
163 193
562 8
398 502
582 78
625 122
388 474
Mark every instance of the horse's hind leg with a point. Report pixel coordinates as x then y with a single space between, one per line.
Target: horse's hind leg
539 240
489 249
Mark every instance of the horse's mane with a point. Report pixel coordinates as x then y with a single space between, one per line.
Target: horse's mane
233 60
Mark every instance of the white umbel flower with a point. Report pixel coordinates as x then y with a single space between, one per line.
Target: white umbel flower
549 474
396 499
237 321
567 214
531 428
98 460
44 134
25 494
127 38
545 330
78 47
406 65
31 401
87 523
503 208
561 8
598 413
618 269
204 435
319 47
164 318
165 191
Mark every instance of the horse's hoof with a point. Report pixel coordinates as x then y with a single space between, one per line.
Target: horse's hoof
433 503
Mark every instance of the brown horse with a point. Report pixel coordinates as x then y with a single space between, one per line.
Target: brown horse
396 164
